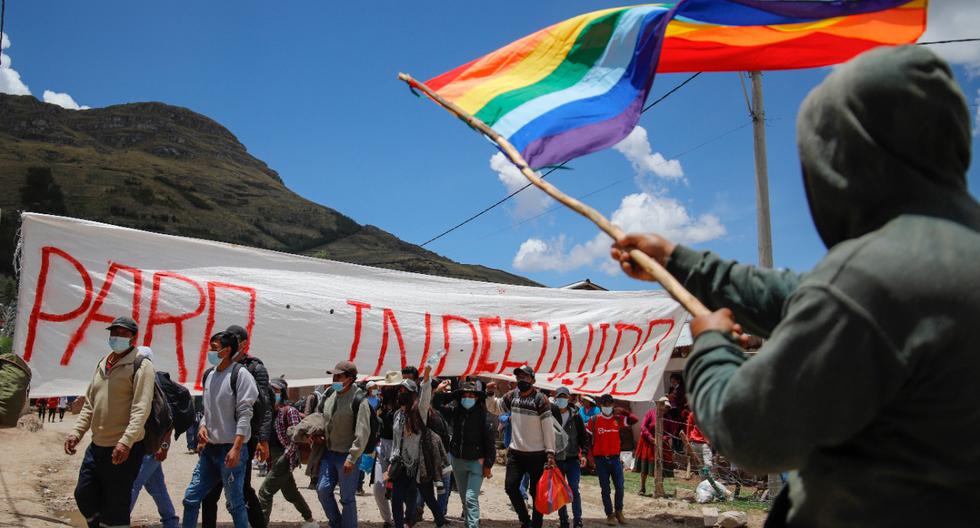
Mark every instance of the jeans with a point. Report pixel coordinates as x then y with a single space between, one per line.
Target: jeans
151 477
332 474
380 466
403 496
209 472
103 487
280 478
525 482
469 480
519 463
573 473
253 508
441 501
607 467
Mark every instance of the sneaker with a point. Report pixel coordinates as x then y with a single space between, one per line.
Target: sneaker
610 520
620 517
578 524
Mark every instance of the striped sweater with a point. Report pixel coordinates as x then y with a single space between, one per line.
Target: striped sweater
532 428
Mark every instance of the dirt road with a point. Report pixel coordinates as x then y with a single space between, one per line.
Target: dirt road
37 480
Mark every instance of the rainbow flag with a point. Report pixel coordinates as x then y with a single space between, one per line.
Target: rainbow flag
579 86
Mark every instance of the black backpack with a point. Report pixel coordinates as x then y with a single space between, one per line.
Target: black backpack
259 407
355 405
160 421
181 403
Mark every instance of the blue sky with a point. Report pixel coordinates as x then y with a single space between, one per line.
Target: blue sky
310 88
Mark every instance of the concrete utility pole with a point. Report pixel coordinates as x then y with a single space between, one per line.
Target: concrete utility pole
763 226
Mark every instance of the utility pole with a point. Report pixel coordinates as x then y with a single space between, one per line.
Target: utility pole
763 226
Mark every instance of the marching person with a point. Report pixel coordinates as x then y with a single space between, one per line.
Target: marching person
472 445
52 408
532 444
285 457
62 406
226 427
117 403
417 454
883 327
646 449
699 445
571 459
387 407
605 428
346 434
151 474
257 444
42 408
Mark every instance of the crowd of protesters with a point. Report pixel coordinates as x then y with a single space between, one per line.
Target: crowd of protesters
413 437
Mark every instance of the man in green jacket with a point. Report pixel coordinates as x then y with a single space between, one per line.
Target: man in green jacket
868 386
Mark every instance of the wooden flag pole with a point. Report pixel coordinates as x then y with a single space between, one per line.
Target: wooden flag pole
651 266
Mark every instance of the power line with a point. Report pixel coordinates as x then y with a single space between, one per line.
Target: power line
545 175
953 41
621 180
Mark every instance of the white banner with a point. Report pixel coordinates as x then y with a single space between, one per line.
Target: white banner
306 314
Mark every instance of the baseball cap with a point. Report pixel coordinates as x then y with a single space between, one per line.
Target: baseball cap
344 367
606 398
524 369
124 322
562 391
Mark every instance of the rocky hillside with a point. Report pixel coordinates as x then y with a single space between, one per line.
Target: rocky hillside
170 170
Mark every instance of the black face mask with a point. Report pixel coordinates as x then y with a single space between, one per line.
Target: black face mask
405 399
524 386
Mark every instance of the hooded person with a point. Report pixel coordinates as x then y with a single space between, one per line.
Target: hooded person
870 365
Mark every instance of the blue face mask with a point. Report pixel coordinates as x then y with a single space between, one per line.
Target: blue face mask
337 386
467 403
561 403
119 344
373 401
278 398
213 357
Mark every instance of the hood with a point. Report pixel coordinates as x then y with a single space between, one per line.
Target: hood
886 134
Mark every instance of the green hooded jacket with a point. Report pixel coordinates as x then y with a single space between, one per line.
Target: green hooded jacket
868 385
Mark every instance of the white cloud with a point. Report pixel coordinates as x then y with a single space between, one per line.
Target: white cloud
10 82
976 120
636 148
950 20
639 212
527 203
63 100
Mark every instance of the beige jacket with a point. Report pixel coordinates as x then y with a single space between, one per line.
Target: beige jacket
117 404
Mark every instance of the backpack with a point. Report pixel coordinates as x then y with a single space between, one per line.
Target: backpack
15 384
355 406
260 405
181 403
159 422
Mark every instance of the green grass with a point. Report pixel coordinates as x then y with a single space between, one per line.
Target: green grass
632 486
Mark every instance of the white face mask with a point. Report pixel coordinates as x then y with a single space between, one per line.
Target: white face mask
119 344
607 410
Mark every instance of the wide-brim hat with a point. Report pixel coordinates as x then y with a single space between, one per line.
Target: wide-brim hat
392 378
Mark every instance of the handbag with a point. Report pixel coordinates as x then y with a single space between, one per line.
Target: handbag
396 470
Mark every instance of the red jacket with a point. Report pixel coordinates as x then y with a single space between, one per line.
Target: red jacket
693 433
605 433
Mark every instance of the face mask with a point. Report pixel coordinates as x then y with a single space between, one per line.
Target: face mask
607 410
373 401
337 386
405 399
119 344
561 403
524 386
278 398
467 403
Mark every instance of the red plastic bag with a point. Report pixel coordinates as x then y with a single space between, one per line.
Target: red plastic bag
553 491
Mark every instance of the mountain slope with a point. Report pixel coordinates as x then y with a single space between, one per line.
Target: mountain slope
169 170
